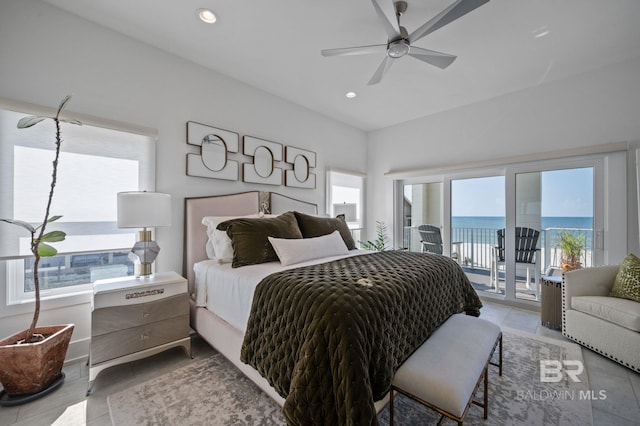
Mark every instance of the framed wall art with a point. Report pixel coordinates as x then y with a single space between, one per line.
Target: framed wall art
263 168
215 145
303 161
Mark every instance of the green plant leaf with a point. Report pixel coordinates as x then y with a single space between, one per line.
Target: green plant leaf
53 236
71 121
380 244
45 250
29 121
54 218
24 224
63 104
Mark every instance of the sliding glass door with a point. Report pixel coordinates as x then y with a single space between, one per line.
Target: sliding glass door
508 227
477 213
421 206
556 208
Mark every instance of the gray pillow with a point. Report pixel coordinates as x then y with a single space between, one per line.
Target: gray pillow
313 226
250 237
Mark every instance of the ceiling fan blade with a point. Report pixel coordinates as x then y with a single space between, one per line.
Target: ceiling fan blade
387 12
361 50
450 14
439 59
382 69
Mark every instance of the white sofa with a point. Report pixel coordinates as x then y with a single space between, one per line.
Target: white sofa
607 325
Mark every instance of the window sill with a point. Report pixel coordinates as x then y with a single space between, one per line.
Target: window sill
57 301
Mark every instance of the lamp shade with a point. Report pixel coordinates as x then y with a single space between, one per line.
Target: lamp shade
143 209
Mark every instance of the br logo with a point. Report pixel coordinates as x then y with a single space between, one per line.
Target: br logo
552 371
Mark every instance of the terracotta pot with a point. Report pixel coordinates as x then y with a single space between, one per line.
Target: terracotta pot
570 266
31 367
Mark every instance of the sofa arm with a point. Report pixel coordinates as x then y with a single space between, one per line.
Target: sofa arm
596 281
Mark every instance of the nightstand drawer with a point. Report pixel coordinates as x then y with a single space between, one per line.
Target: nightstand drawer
114 318
132 291
124 342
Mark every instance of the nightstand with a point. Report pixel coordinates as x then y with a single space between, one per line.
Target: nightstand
551 303
135 317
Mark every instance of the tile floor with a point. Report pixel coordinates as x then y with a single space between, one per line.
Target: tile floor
69 406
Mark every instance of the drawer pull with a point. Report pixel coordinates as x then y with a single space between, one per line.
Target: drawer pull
145 293
144 337
146 314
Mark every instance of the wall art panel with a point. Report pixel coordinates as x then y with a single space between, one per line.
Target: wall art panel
302 161
263 168
215 145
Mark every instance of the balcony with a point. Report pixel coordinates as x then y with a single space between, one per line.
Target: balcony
475 245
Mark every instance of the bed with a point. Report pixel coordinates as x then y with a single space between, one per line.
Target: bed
222 314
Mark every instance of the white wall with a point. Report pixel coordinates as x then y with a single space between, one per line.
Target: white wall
588 109
46 53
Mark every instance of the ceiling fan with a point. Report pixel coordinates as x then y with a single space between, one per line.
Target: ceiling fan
400 42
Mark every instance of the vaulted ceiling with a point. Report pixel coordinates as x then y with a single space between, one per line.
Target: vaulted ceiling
501 47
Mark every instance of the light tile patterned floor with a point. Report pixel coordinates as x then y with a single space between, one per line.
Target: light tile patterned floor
69 406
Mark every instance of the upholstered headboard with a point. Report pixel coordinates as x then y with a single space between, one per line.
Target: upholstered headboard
245 203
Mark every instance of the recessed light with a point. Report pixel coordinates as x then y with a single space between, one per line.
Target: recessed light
206 16
541 32
351 95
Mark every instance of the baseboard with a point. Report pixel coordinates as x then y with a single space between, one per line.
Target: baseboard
78 350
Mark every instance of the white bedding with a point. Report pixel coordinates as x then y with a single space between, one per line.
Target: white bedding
228 292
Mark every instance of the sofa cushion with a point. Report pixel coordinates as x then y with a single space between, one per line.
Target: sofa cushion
623 312
627 283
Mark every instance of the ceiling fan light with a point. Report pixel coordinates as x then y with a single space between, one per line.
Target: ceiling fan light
351 95
206 16
398 49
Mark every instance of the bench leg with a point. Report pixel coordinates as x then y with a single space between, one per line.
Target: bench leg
442 419
500 356
391 407
486 393
499 363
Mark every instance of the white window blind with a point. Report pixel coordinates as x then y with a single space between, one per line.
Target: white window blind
95 164
345 195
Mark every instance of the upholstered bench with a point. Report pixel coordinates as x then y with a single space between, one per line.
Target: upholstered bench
446 371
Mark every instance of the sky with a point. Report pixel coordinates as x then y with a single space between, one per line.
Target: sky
565 193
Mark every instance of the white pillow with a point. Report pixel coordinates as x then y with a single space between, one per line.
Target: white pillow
292 251
219 244
222 246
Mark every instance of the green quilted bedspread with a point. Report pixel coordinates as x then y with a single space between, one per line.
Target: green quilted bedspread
329 337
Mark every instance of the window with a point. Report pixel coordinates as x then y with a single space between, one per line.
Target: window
95 164
345 195
582 195
421 205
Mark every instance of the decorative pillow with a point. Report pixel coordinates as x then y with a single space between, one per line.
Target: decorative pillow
219 245
292 251
314 226
627 283
250 237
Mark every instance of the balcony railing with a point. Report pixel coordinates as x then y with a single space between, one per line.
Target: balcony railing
474 245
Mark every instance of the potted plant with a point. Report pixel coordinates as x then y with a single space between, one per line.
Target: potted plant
32 359
572 245
380 244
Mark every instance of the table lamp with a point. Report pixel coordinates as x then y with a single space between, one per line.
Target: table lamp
142 209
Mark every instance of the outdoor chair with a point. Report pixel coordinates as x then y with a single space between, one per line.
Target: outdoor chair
431 241
526 254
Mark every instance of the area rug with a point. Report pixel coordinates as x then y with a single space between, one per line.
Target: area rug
213 392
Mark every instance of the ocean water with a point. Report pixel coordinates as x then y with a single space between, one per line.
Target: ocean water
481 229
497 222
